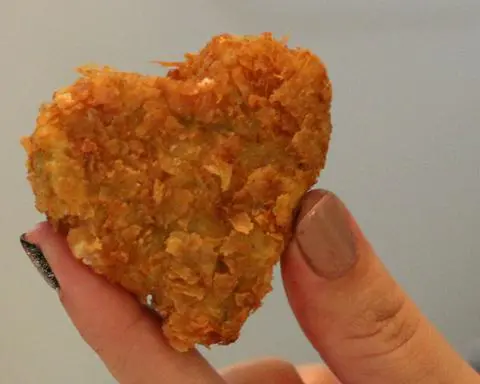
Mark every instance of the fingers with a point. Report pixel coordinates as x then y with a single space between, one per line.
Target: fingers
356 316
316 374
125 335
262 371
279 372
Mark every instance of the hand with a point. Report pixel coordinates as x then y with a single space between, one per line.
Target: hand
358 319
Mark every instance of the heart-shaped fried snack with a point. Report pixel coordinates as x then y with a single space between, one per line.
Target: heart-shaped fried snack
182 189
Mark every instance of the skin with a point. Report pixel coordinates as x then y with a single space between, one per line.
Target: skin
396 344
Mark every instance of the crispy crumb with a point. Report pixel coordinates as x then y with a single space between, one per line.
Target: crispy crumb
242 223
223 170
182 188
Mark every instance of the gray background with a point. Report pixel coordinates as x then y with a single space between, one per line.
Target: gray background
405 152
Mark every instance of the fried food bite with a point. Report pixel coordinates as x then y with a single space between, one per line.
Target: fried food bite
182 189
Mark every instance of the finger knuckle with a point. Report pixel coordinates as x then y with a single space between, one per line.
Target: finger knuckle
386 326
122 359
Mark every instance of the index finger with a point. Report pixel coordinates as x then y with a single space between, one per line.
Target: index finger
125 335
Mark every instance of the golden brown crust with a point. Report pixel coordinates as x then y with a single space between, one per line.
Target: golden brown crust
184 187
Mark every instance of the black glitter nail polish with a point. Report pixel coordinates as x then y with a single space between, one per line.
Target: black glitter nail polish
40 262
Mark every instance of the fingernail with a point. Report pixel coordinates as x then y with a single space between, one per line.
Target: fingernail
326 239
40 262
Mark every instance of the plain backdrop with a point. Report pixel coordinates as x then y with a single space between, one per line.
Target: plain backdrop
405 152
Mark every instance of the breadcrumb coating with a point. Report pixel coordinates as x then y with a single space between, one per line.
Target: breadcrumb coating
182 189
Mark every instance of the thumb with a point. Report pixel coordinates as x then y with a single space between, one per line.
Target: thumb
353 312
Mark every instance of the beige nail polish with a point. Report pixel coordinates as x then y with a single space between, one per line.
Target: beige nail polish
325 238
